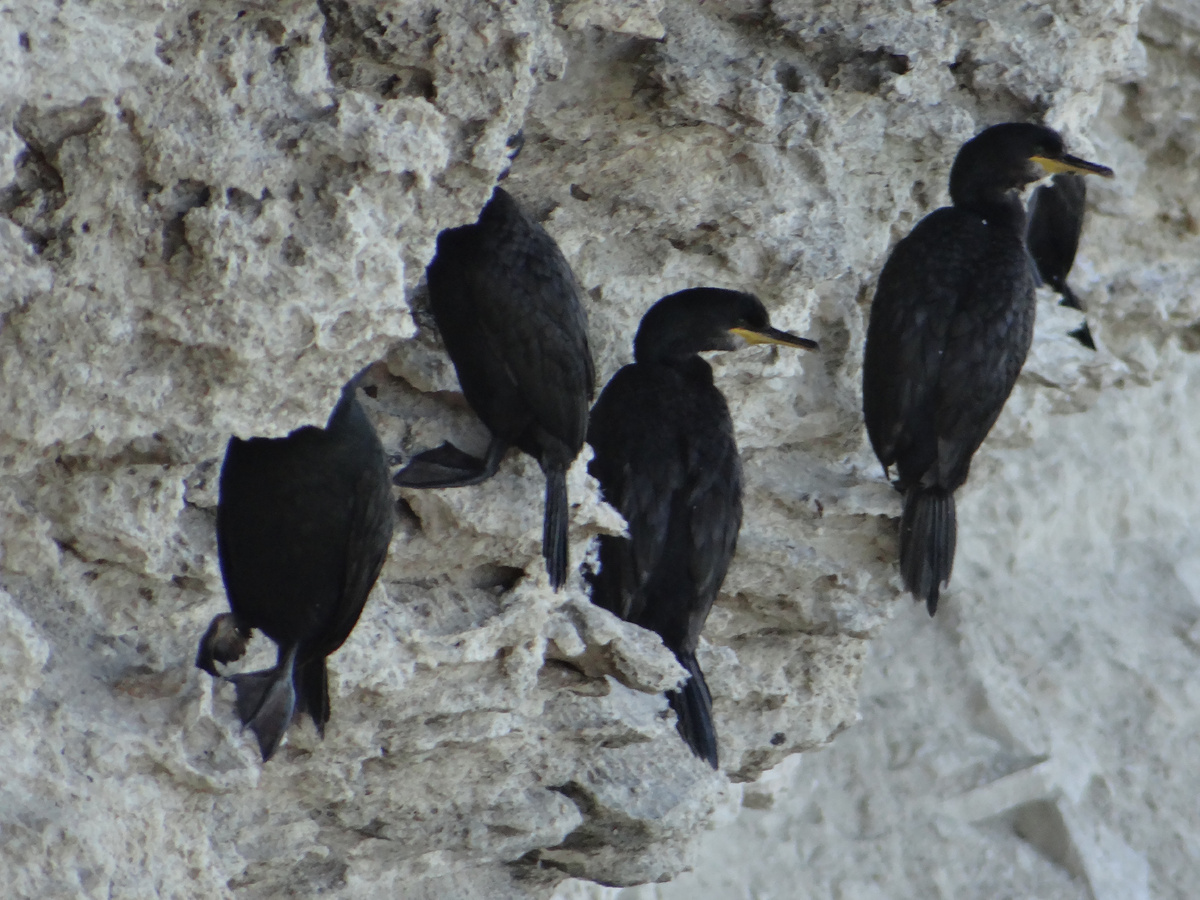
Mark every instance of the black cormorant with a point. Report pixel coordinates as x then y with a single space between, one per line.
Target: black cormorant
1055 214
303 526
508 310
950 327
665 457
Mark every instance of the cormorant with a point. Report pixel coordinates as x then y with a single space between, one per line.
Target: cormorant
508 309
666 459
303 527
950 326
1055 214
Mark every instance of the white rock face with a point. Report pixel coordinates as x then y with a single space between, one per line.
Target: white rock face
214 213
1030 741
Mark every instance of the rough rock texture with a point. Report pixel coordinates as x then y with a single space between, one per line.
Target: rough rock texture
1035 740
215 212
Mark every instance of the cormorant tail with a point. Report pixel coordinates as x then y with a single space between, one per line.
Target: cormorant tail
1068 298
927 537
266 701
554 526
693 705
312 691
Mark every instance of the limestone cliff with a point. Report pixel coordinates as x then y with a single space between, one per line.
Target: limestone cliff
215 212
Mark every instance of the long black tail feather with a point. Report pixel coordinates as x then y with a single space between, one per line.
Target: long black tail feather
312 692
928 531
554 527
693 705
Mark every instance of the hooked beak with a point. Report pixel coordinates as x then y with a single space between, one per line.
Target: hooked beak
771 335
1068 163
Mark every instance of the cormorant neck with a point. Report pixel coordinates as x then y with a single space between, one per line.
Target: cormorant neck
665 346
685 360
663 354
996 206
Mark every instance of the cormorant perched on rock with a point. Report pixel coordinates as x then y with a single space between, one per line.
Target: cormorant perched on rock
950 326
508 310
1055 214
303 527
666 459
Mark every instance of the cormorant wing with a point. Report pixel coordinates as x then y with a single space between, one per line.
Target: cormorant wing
637 471
366 549
1054 224
262 487
1031 215
715 506
226 541
668 463
369 531
532 320
919 291
984 353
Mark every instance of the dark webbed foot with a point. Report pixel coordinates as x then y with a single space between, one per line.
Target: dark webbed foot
266 702
1083 334
444 466
225 641
447 466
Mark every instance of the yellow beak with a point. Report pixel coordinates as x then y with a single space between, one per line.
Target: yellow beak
770 335
1068 163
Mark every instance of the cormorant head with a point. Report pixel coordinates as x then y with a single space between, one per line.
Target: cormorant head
1007 157
685 323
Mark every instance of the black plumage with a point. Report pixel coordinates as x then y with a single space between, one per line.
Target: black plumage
1083 334
949 330
666 459
508 309
1055 222
303 527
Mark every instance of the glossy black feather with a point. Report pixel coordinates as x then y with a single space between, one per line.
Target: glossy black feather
508 309
950 326
666 459
928 532
1055 224
693 707
303 527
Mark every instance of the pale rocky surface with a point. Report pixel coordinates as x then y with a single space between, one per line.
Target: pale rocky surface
217 212
1034 741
